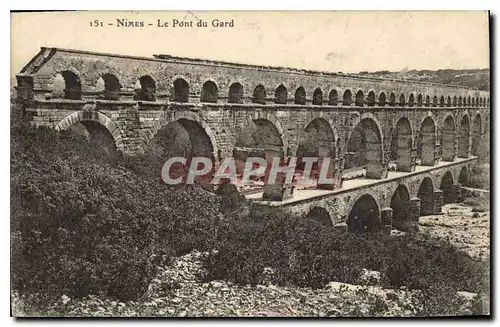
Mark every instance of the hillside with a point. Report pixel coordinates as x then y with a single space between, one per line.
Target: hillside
475 78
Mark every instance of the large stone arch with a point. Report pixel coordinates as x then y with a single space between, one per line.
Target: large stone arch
364 213
260 135
365 147
264 115
477 126
318 140
426 196
400 204
402 144
321 213
448 139
318 115
96 117
427 141
464 176
174 116
447 186
464 136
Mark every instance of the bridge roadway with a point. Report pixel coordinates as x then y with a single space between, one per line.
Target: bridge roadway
339 203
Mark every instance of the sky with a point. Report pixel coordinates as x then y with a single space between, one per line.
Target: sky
319 40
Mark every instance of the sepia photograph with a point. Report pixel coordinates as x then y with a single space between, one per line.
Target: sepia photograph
221 164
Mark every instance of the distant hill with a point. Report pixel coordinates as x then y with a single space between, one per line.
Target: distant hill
476 78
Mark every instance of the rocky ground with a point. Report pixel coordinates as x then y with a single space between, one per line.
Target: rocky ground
468 230
178 290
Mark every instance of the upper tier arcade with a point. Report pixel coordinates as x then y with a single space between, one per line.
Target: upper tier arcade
81 75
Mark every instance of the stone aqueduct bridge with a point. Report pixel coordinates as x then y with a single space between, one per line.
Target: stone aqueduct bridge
430 132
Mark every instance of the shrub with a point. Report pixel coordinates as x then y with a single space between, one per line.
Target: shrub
82 224
480 176
306 253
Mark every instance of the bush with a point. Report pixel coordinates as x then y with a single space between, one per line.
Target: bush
82 224
306 253
480 176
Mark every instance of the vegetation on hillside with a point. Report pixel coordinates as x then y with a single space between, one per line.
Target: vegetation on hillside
474 78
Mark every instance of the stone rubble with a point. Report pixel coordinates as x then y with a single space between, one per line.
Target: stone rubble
179 291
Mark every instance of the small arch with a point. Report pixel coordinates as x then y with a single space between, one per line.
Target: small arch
382 99
472 102
455 101
465 101
347 98
447 187
235 93
145 89
441 101
426 196
181 90
281 95
411 100
317 97
402 99
320 215
469 100
72 85
259 94
209 92
360 98
300 96
477 101
392 100
463 139
370 100
435 101
420 100
448 102
427 100
333 98
460 102
364 215
110 87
